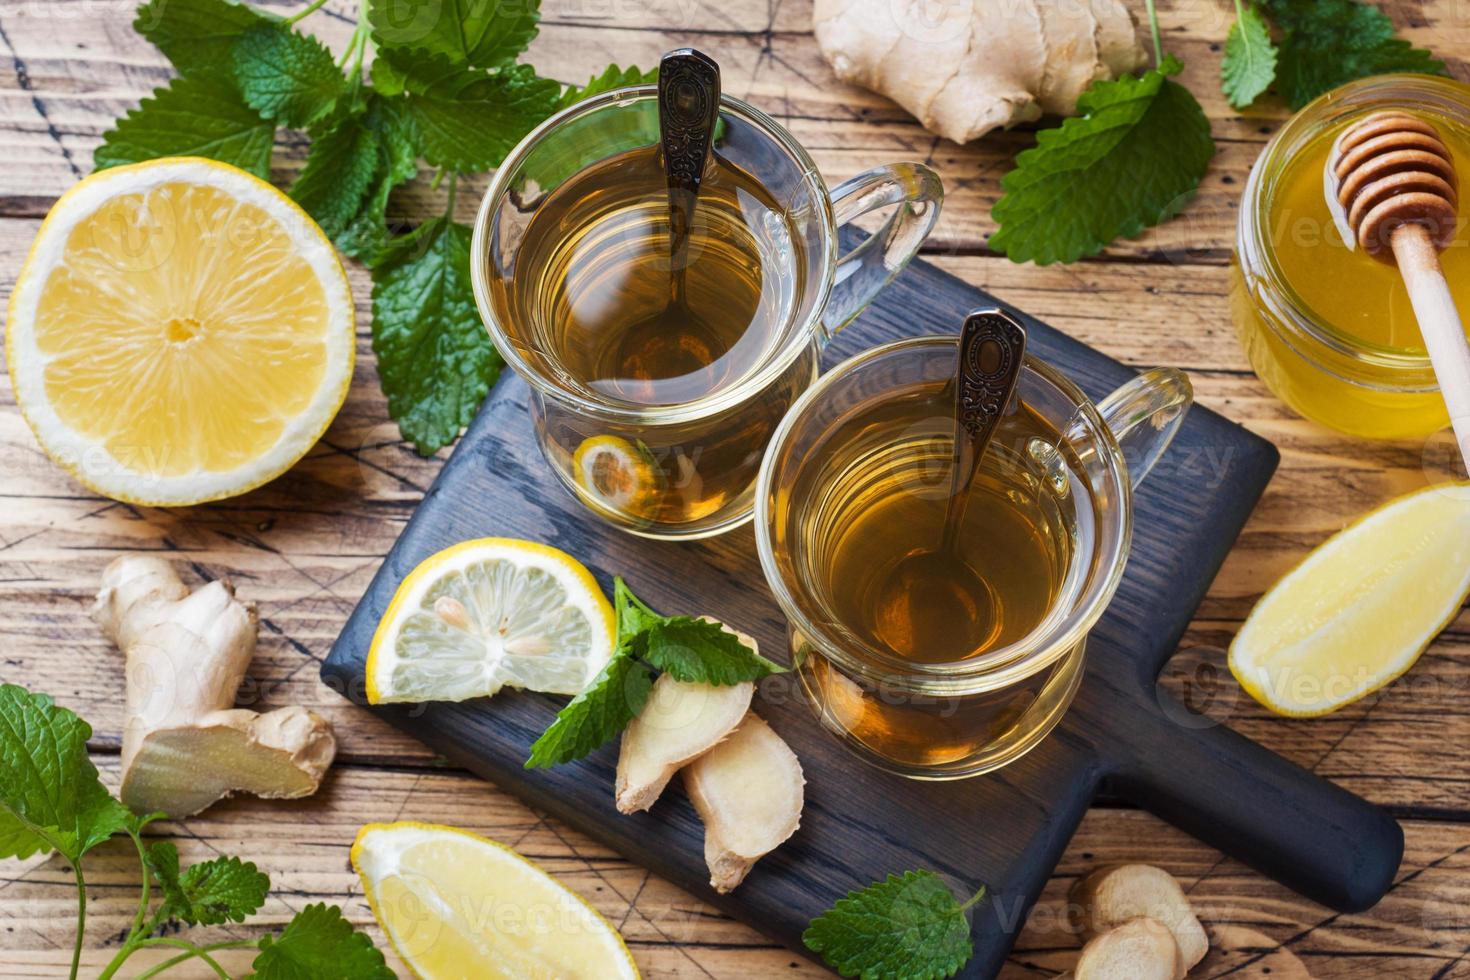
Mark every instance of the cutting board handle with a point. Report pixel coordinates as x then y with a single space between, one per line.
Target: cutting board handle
1257 807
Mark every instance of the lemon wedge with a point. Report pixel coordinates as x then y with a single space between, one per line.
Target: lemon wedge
455 904
615 475
181 331
1359 610
486 613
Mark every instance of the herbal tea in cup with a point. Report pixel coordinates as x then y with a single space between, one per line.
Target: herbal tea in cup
654 414
964 666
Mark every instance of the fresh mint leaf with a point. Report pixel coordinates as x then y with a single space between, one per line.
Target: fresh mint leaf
466 119
367 232
339 169
224 889
701 652
287 76
319 944
198 35
50 796
469 33
1131 158
435 360
909 926
1328 43
610 702
633 614
611 78
199 115
1249 65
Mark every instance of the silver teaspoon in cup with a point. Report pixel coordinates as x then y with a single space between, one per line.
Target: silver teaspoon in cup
933 606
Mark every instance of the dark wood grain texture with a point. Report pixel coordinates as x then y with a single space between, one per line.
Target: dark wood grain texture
861 824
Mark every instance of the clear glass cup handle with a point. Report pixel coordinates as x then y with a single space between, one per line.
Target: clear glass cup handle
915 194
1144 416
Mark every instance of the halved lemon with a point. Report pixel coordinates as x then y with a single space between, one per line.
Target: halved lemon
616 475
1359 610
181 331
455 904
486 613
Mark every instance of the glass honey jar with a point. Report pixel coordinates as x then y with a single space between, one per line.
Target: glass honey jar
1329 330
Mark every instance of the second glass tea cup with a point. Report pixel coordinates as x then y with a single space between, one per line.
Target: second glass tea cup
857 477
687 468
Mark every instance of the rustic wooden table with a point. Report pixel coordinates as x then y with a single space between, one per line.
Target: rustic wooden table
306 546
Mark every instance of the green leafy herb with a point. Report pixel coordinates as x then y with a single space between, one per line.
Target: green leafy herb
287 76
319 944
597 714
225 889
198 36
50 796
1132 158
446 88
435 361
195 115
691 650
468 33
611 78
1250 58
701 652
52 800
910 926
1328 43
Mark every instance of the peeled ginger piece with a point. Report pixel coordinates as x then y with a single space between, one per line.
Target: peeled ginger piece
748 790
679 722
964 69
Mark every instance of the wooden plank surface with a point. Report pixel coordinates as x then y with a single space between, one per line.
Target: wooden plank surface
306 546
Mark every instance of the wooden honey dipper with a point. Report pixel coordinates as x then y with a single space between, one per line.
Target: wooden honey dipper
1394 178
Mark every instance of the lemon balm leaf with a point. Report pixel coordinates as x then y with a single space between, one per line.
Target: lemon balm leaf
435 360
909 926
213 892
701 652
367 232
198 35
593 717
319 944
51 798
286 75
199 116
1131 158
1328 43
468 33
612 77
339 169
1249 65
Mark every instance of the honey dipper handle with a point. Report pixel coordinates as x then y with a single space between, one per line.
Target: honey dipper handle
1439 322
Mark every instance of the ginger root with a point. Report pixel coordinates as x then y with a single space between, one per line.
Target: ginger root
679 723
1114 894
748 790
184 745
1137 949
964 69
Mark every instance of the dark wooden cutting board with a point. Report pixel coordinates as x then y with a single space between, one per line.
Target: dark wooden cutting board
1007 829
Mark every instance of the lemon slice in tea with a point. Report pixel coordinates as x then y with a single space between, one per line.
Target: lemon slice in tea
616 475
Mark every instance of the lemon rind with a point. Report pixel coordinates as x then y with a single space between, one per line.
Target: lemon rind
72 451
370 893
414 584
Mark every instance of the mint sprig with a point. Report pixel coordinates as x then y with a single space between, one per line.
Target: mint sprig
51 799
909 926
446 87
692 650
1249 65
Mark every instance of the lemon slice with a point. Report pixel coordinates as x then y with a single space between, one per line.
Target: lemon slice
616 475
455 904
1361 608
486 613
180 332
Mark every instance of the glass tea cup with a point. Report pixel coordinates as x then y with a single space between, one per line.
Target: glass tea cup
558 232
857 477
